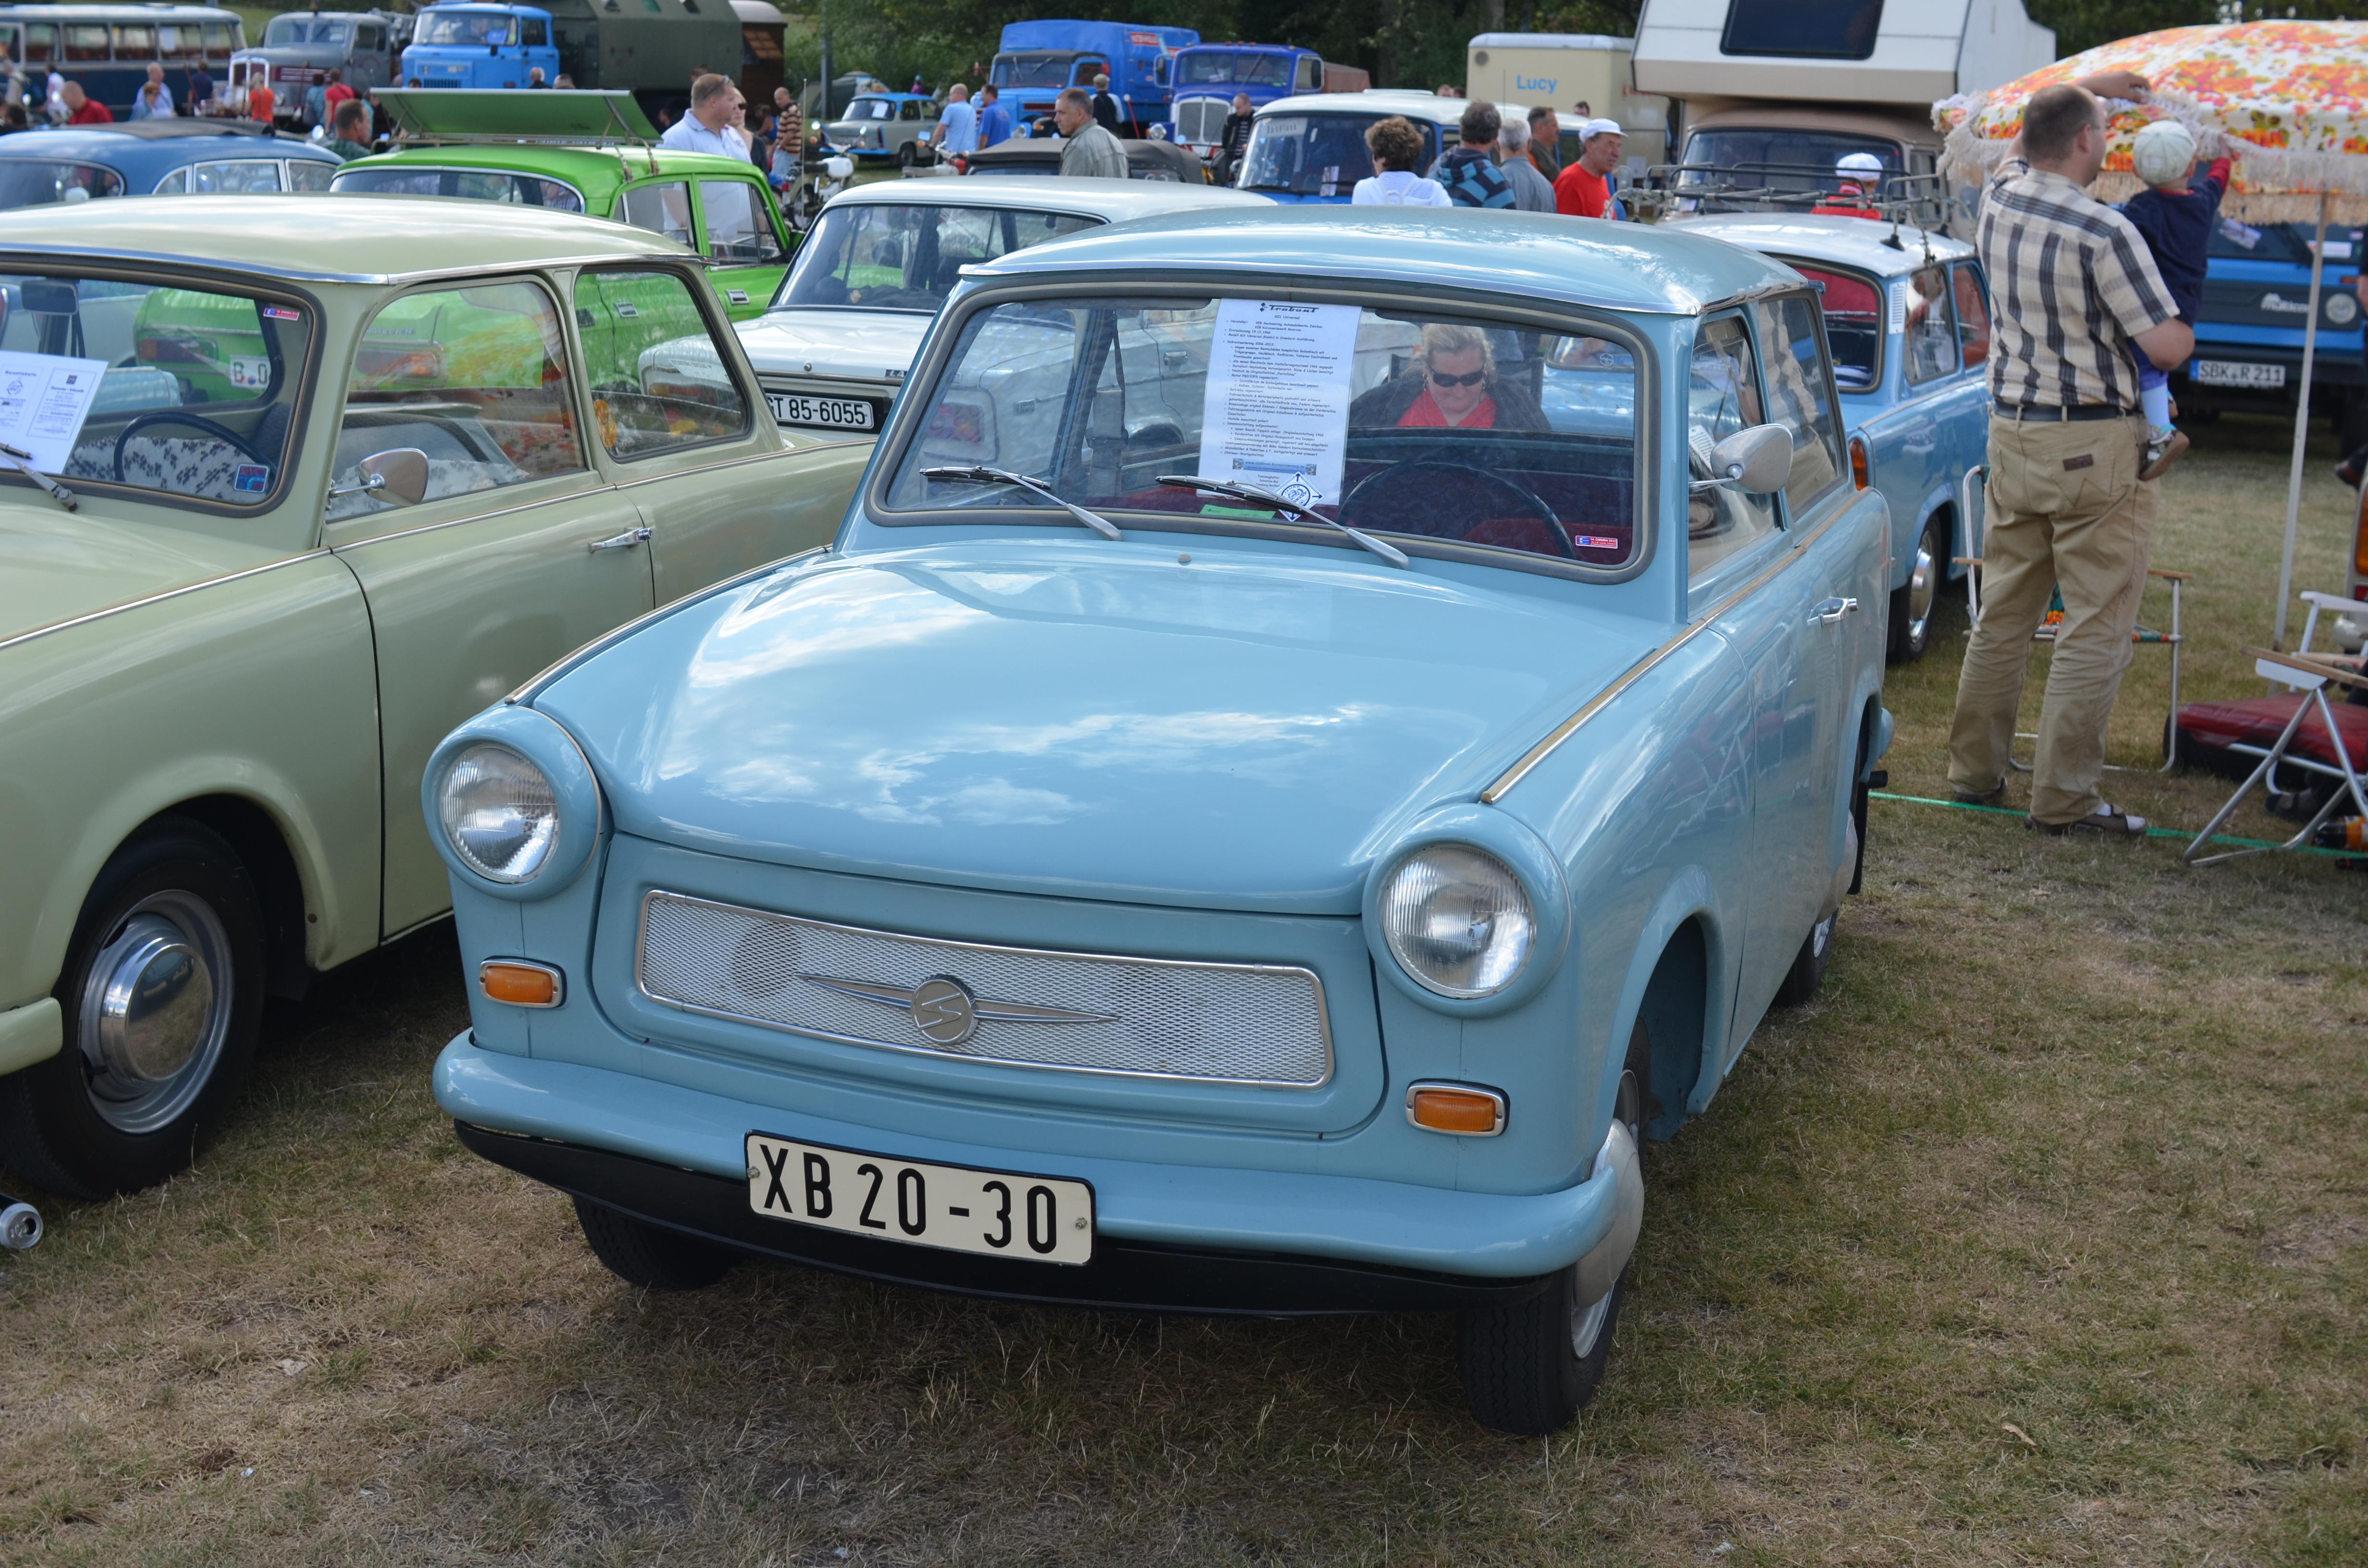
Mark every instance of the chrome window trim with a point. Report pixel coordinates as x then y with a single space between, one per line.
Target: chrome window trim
583 208
1323 1008
54 255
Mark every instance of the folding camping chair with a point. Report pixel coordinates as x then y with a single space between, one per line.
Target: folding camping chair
2141 633
2306 673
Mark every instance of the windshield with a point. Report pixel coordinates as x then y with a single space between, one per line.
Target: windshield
1854 324
1404 423
467 28
37 182
477 184
1781 158
1317 155
878 257
285 30
1032 69
175 390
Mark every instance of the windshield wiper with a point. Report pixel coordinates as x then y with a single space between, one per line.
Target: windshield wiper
1390 554
23 463
976 475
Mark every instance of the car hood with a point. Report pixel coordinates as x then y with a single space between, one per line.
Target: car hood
63 565
864 346
1088 719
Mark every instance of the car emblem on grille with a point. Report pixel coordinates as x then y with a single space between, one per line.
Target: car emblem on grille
947 1012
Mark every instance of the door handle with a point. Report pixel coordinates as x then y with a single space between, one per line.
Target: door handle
1830 611
632 536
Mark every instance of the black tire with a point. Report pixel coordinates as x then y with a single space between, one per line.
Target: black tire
906 156
1530 1369
112 1112
648 1257
1914 602
1809 971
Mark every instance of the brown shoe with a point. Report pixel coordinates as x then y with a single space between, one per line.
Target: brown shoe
2105 821
2160 455
1992 797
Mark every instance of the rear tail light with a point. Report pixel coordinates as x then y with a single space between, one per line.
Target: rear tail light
963 421
1465 1109
1861 464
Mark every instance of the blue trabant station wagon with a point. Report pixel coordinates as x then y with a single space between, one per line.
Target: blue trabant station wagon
1267 802
1908 316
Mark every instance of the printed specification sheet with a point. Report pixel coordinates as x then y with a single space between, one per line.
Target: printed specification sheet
43 400
1277 414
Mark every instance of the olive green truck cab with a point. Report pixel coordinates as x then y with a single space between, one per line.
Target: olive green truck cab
289 521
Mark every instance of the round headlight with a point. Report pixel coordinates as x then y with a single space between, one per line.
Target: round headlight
1457 920
2342 309
499 813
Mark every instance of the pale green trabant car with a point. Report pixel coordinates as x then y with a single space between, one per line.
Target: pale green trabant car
289 487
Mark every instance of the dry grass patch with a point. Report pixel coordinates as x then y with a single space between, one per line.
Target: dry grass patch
2041 1238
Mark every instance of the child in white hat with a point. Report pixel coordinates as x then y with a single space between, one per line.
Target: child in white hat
2174 215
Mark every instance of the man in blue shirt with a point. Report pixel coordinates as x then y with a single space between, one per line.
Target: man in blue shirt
1469 173
957 131
994 119
713 123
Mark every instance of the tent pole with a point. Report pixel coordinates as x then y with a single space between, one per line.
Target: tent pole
2302 428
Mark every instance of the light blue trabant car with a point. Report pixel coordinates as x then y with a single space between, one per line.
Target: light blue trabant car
1264 820
1908 317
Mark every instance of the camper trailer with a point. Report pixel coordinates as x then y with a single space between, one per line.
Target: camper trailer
1780 90
1566 70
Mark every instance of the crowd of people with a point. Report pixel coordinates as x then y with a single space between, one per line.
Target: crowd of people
1497 162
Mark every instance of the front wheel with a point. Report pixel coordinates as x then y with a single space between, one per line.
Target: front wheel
1530 1369
1913 602
651 1257
906 157
1809 971
163 997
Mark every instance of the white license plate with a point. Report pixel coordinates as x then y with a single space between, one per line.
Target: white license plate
2236 373
995 1213
837 413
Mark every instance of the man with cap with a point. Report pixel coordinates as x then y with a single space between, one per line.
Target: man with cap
1583 190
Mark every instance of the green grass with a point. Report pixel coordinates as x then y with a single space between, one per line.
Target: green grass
2038 1238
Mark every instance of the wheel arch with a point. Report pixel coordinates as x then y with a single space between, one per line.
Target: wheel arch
1674 987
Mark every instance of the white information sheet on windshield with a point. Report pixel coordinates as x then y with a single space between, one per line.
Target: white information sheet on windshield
1277 414
43 401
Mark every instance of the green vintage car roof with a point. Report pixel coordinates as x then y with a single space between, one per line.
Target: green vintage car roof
326 238
599 172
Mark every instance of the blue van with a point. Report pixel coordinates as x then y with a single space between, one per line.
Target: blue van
2248 336
1037 59
481 46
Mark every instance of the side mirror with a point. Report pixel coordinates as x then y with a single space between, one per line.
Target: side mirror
400 476
1759 460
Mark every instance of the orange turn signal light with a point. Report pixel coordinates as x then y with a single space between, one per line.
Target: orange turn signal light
520 983
1465 1109
1861 464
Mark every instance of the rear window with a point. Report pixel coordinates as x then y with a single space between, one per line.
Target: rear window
1317 155
42 182
1854 325
878 257
1517 442
478 185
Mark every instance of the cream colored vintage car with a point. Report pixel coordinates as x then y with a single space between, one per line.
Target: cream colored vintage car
352 468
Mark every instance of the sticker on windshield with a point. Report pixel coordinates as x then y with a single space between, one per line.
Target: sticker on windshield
253 479
1898 307
43 401
1276 414
281 313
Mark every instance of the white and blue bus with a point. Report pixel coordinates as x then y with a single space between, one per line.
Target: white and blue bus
108 48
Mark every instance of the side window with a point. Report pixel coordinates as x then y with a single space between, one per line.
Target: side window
174 184
247 175
1799 397
662 208
738 226
911 109
309 176
535 33
660 380
366 36
473 377
1309 77
1722 397
1973 315
1931 335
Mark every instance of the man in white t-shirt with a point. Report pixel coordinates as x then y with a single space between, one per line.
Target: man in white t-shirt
713 123
1397 147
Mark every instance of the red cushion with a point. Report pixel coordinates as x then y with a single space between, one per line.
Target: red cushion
2259 721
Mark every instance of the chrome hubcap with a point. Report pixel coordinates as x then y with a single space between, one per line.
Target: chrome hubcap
156 1012
1922 585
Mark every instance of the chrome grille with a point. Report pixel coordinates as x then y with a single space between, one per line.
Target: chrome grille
1201 120
1160 1017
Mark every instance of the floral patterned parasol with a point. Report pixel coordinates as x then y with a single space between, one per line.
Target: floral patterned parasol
2294 94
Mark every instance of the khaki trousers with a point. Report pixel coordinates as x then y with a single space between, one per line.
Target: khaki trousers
2066 511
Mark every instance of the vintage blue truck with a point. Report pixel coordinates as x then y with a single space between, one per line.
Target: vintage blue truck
1207 76
2249 336
1037 59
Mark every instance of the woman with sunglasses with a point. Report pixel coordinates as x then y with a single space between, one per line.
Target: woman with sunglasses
1453 385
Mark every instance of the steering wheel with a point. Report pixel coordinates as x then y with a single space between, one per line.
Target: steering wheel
1446 500
226 436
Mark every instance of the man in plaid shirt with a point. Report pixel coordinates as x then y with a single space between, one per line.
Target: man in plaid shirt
2073 295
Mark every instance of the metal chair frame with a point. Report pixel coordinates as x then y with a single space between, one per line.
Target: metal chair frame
2303 671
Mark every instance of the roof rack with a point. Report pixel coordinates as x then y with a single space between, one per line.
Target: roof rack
1687 189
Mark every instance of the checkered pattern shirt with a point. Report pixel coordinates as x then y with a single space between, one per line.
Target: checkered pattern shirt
2071 283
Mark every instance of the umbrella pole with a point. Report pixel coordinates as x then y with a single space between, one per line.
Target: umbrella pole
2302 428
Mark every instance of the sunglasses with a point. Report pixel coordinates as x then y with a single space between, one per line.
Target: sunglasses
1473 379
